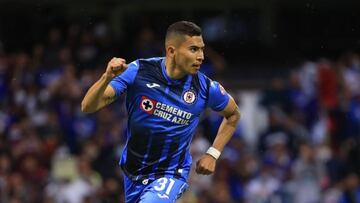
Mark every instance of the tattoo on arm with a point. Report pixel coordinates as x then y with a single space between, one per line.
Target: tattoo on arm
109 100
236 111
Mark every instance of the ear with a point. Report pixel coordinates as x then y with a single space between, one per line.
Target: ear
170 50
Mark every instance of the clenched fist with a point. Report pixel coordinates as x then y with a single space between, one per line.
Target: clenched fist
115 67
206 165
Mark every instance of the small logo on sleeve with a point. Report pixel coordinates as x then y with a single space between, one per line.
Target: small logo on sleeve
189 96
222 89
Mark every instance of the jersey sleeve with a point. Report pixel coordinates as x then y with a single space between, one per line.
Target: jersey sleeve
122 82
218 97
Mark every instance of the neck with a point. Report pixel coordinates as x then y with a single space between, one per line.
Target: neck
172 70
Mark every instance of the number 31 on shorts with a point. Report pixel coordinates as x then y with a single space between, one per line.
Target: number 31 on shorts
164 183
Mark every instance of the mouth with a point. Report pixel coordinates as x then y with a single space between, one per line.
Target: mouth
197 66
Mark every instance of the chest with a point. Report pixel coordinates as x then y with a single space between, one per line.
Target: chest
185 98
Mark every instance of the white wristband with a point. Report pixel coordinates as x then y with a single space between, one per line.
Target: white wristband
213 152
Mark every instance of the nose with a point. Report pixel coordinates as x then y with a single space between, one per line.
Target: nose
200 56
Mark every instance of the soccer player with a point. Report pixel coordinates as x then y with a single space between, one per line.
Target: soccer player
164 99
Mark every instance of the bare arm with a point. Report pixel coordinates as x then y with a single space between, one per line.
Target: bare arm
206 164
101 93
231 115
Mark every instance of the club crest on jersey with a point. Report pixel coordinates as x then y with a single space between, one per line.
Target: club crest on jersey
189 96
147 104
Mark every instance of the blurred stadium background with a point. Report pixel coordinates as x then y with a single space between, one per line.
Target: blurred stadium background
293 66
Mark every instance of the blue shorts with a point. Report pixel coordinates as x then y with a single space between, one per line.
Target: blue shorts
165 189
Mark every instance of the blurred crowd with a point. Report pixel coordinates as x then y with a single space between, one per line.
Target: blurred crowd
307 151
308 146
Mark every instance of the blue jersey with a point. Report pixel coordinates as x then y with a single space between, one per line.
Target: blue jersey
162 117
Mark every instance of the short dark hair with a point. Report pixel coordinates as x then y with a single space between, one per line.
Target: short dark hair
184 28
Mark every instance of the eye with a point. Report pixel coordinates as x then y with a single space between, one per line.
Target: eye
193 49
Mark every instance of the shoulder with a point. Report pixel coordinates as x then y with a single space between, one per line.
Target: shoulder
208 82
209 85
204 80
155 61
150 68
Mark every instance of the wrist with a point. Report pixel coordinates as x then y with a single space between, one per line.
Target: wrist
107 77
212 151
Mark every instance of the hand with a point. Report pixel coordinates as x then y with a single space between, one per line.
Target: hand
115 67
206 165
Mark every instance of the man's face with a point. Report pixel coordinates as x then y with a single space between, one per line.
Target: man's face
190 54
